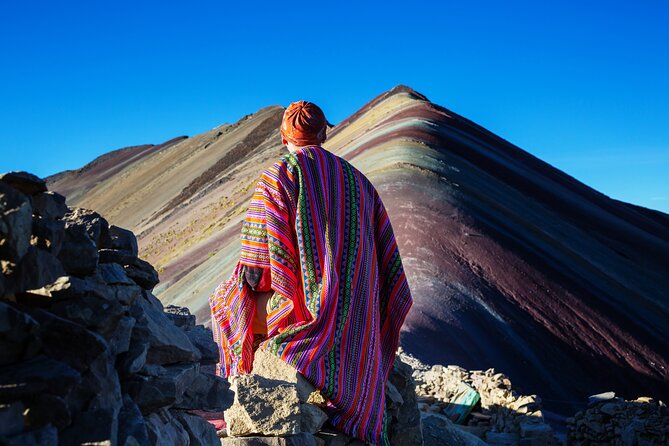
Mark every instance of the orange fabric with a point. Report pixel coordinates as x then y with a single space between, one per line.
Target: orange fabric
304 124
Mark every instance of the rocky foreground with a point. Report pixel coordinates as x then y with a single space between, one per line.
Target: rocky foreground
88 355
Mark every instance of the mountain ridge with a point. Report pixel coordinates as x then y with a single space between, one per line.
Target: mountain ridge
529 270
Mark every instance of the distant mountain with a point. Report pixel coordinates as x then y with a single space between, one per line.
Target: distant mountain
513 264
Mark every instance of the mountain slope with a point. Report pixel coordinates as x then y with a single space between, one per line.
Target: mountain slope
512 263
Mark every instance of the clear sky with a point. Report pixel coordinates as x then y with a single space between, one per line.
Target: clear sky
584 85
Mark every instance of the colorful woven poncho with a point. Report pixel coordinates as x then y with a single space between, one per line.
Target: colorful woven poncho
341 294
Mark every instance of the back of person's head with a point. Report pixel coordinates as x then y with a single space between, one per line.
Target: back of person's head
303 124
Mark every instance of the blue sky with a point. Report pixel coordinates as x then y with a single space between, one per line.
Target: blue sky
582 85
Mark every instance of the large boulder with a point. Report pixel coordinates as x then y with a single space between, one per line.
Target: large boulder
49 205
167 343
274 400
25 182
15 224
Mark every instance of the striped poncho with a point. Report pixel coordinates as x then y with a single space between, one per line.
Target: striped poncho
340 292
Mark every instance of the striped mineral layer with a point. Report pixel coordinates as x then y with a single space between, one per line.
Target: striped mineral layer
513 264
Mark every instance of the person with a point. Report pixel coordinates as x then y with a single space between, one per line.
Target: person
319 281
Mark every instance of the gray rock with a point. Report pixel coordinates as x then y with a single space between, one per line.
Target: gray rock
43 409
95 426
438 430
49 205
180 316
143 273
36 269
86 302
313 418
200 432
163 429
99 388
203 339
123 239
93 223
167 344
269 365
25 182
121 257
332 437
68 341
131 425
263 406
114 274
45 436
405 420
301 439
11 419
207 392
15 223
79 253
134 359
154 392
125 294
18 335
48 234
36 375
119 339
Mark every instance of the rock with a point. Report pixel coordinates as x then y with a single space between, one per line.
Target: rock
438 430
119 339
116 256
405 422
48 234
143 273
86 302
114 274
203 339
93 223
15 224
95 426
43 409
24 182
68 341
18 335
154 392
131 426
302 439
598 398
79 253
167 344
123 239
180 316
99 389
313 418
207 392
268 365
134 359
502 438
11 419
49 205
263 406
164 429
36 269
332 437
46 436
200 432
36 375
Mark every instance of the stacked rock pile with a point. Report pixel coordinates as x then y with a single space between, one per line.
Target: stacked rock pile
275 405
87 353
643 421
503 417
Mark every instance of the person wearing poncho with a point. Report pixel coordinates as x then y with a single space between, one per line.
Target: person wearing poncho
319 281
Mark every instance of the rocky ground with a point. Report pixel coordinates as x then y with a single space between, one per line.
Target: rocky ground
88 355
